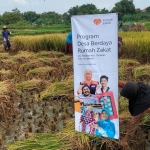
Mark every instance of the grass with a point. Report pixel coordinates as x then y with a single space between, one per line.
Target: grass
42 141
35 30
142 72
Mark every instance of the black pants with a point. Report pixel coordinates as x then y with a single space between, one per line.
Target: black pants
7 45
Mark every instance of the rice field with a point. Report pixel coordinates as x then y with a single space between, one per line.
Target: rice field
36 82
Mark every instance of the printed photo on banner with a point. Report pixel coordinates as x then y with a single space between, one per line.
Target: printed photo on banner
95 58
97 106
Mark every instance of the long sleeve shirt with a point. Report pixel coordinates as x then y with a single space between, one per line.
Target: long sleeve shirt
5 34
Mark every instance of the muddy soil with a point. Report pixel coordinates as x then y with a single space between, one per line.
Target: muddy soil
36 116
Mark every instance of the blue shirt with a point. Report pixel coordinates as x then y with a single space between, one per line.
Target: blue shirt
5 34
69 38
108 127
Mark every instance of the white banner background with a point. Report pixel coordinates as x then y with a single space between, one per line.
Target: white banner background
95 47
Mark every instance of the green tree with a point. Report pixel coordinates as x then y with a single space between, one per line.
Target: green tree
104 11
11 17
80 10
88 9
1 20
50 18
66 18
30 16
124 7
148 9
83 9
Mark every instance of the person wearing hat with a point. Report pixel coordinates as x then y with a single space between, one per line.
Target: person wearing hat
5 37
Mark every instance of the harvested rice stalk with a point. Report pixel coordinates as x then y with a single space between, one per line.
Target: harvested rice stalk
7 100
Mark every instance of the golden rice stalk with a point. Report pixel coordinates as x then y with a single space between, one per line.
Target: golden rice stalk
32 84
7 100
40 42
8 64
142 73
126 67
136 45
45 73
6 75
59 88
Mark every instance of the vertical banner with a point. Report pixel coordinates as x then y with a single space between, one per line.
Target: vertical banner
95 58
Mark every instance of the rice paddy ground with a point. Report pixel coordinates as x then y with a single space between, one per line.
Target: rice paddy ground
37 110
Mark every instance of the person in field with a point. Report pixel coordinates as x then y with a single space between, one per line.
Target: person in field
69 43
120 44
5 38
138 95
143 25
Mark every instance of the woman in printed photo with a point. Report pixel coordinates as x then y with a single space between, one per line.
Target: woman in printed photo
105 127
94 85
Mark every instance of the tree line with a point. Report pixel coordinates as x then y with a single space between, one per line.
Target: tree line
125 8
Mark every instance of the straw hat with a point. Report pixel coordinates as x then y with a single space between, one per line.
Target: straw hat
4 27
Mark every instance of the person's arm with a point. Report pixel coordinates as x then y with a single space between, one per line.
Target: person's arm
3 36
132 128
78 99
79 91
8 32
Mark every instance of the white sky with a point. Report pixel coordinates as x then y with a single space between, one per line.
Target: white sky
60 6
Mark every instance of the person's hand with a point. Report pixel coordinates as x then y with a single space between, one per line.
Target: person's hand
81 100
95 126
121 84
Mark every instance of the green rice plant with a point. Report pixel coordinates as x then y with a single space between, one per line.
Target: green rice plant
43 141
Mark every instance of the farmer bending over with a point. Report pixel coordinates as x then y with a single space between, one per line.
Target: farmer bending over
138 95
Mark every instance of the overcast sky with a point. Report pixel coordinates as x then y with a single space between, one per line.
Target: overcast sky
60 6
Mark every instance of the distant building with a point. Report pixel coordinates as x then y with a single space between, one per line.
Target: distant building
143 10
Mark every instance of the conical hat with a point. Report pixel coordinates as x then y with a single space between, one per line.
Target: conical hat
4 27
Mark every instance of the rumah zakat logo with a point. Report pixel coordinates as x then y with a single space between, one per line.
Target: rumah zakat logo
97 21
